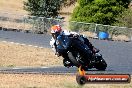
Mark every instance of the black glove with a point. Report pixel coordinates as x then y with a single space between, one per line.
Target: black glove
95 50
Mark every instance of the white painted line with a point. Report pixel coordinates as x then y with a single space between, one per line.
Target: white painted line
44 67
30 45
41 47
23 44
12 42
16 68
27 67
4 41
17 43
36 46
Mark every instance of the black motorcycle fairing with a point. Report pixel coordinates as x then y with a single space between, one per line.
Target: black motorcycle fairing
79 54
80 51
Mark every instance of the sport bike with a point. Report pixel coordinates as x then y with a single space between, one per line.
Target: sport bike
79 54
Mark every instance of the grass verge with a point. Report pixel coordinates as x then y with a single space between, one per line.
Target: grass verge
12 55
49 81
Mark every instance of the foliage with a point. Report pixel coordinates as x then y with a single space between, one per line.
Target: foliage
44 8
83 3
125 19
81 26
99 11
69 2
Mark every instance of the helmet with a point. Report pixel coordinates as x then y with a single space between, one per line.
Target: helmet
56 29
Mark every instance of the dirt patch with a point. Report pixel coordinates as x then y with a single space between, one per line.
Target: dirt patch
49 81
34 81
19 55
15 25
121 38
12 6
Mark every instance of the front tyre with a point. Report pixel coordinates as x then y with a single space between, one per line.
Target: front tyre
67 63
72 58
101 64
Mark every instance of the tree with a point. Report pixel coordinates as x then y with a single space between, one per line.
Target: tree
99 11
69 2
125 19
45 8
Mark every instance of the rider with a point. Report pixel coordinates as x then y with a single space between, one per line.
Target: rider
56 30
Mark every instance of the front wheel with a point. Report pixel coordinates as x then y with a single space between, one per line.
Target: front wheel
100 64
72 58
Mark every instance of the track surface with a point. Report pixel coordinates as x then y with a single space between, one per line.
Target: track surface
118 55
62 70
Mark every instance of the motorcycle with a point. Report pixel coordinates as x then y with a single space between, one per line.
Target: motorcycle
80 55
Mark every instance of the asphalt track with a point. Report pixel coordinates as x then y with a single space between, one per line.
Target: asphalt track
117 54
